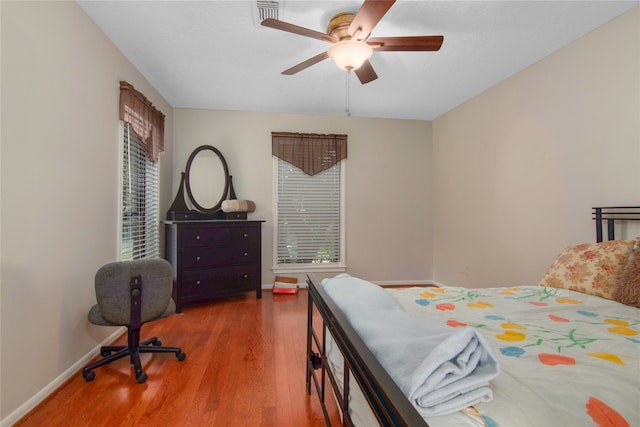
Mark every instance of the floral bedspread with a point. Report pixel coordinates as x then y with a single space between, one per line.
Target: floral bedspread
566 358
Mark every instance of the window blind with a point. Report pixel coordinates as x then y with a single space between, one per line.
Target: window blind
140 229
308 215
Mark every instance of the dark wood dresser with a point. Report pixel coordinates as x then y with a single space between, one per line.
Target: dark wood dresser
213 259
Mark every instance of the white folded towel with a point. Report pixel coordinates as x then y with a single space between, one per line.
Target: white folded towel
238 206
440 369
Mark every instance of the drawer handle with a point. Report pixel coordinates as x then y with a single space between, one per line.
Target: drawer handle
245 254
245 235
197 237
197 258
245 275
197 282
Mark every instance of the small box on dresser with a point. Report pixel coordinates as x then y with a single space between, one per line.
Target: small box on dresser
213 259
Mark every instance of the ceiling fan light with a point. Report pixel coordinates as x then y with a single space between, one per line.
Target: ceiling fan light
349 54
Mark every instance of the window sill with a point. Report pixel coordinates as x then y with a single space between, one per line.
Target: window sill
309 268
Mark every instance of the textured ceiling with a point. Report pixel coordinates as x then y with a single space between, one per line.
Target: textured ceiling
215 55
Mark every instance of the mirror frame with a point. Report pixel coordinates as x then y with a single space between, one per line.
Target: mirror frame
187 172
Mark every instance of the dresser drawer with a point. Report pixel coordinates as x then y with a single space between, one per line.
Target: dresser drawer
193 237
210 282
219 256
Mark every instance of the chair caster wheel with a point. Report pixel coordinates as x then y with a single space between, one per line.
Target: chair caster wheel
88 376
142 378
181 356
105 353
158 343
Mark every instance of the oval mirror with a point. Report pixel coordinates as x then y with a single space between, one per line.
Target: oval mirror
207 178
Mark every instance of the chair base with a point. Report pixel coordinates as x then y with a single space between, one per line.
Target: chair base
112 353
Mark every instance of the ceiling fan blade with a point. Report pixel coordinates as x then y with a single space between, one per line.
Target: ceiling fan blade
410 43
295 29
366 73
368 16
306 64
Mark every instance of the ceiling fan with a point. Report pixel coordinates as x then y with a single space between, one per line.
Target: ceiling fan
351 45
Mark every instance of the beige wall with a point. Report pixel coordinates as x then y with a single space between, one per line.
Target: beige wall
59 176
518 168
388 181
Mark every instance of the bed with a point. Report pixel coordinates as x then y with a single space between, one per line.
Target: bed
566 350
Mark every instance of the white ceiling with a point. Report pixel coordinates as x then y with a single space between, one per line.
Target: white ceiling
215 55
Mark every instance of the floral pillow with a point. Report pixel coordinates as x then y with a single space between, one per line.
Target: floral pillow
627 290
589 268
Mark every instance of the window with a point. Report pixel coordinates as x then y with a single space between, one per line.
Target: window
142 127
139 218
309 231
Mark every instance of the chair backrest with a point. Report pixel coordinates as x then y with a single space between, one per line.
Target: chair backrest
112 284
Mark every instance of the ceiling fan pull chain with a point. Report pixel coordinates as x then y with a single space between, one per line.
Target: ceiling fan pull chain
348 110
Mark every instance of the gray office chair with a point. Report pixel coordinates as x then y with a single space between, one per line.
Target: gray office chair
131 293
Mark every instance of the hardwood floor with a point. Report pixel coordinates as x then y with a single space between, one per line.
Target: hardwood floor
245 366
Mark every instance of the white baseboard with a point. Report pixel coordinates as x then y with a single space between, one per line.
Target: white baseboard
405 282
74 369
438 284
303 285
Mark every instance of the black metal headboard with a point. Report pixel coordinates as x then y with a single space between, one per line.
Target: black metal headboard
610 215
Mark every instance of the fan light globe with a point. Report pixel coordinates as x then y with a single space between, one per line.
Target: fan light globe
350 55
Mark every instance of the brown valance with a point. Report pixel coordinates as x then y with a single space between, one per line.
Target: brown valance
145 119
310 152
